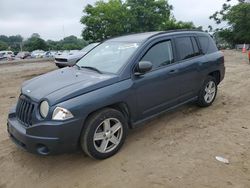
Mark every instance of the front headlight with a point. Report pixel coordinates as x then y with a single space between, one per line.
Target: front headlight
61 114
44 109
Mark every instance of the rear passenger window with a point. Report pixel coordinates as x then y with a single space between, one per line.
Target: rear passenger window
160 54
195 46
207 45
185 48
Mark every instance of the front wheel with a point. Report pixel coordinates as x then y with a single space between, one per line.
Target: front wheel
104 133
208 92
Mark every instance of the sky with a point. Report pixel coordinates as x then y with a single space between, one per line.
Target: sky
54 19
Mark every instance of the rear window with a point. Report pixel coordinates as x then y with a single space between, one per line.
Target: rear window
207 45
186 48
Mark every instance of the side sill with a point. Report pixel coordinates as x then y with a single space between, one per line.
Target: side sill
143 121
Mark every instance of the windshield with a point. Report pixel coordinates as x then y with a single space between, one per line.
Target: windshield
89 47
109 56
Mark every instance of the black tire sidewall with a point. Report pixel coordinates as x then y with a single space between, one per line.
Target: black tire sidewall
201 100
92 123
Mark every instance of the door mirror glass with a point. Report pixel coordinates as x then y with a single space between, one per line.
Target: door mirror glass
143 67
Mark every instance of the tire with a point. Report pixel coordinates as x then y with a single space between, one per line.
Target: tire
109 129
208 92
59 66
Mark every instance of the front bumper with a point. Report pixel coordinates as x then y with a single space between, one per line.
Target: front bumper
47 138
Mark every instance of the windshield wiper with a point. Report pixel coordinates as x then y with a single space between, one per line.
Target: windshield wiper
78 66
92 68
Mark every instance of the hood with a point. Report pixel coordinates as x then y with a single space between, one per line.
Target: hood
66 83
76 55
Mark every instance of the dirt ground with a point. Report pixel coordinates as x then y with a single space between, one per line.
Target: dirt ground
177 149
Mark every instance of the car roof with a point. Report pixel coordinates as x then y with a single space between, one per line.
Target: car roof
140 37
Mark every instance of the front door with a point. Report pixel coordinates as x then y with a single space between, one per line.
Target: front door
157 89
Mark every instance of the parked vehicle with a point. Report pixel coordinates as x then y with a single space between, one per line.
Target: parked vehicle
72 57
118 85
49 54
53 53
23 55
37 54
6 55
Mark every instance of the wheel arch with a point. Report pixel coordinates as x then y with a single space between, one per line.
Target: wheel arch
120 106
216 74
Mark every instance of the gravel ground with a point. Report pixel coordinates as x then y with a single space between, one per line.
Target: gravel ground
177 149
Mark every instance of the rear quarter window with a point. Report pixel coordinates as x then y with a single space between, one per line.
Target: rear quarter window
207 45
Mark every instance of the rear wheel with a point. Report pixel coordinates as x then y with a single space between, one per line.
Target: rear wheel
104 133
208 92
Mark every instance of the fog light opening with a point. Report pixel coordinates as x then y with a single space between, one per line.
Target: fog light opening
42 149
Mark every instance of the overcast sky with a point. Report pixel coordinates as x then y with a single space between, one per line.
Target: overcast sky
54 19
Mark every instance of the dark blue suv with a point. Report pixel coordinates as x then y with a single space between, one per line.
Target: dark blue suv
118 85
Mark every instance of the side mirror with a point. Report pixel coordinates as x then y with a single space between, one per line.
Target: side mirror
143 67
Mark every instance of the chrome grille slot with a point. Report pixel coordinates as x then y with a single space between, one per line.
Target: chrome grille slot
24 111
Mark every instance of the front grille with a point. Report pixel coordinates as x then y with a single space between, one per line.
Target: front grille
61 59
24 111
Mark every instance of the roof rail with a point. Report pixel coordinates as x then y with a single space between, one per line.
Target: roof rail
175 30
158 33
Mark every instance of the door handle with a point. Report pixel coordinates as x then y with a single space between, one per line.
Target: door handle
173 71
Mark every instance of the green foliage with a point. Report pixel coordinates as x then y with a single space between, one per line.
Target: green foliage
12 42
3 45
35 43
68 43
148 15
72 42
116 17
238 19
35 35
105 20
15 43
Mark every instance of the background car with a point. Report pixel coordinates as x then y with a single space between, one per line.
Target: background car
6 55
73 56
23 55
37 54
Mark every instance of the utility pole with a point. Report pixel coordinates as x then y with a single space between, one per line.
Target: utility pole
63 32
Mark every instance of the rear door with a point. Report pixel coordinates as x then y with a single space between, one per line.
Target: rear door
189 58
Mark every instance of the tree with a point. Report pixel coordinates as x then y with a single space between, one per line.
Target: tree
68 43
116 17
72 42
35 35
105 20
15 42
148 15
3 45
12 42
238 19
35 43
4 38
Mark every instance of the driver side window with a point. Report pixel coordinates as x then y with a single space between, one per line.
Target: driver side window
160 54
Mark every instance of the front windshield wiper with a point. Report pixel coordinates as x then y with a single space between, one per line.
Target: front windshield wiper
91 68
78 66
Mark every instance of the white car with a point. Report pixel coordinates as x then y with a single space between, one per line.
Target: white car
6 55
70 58
37 54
